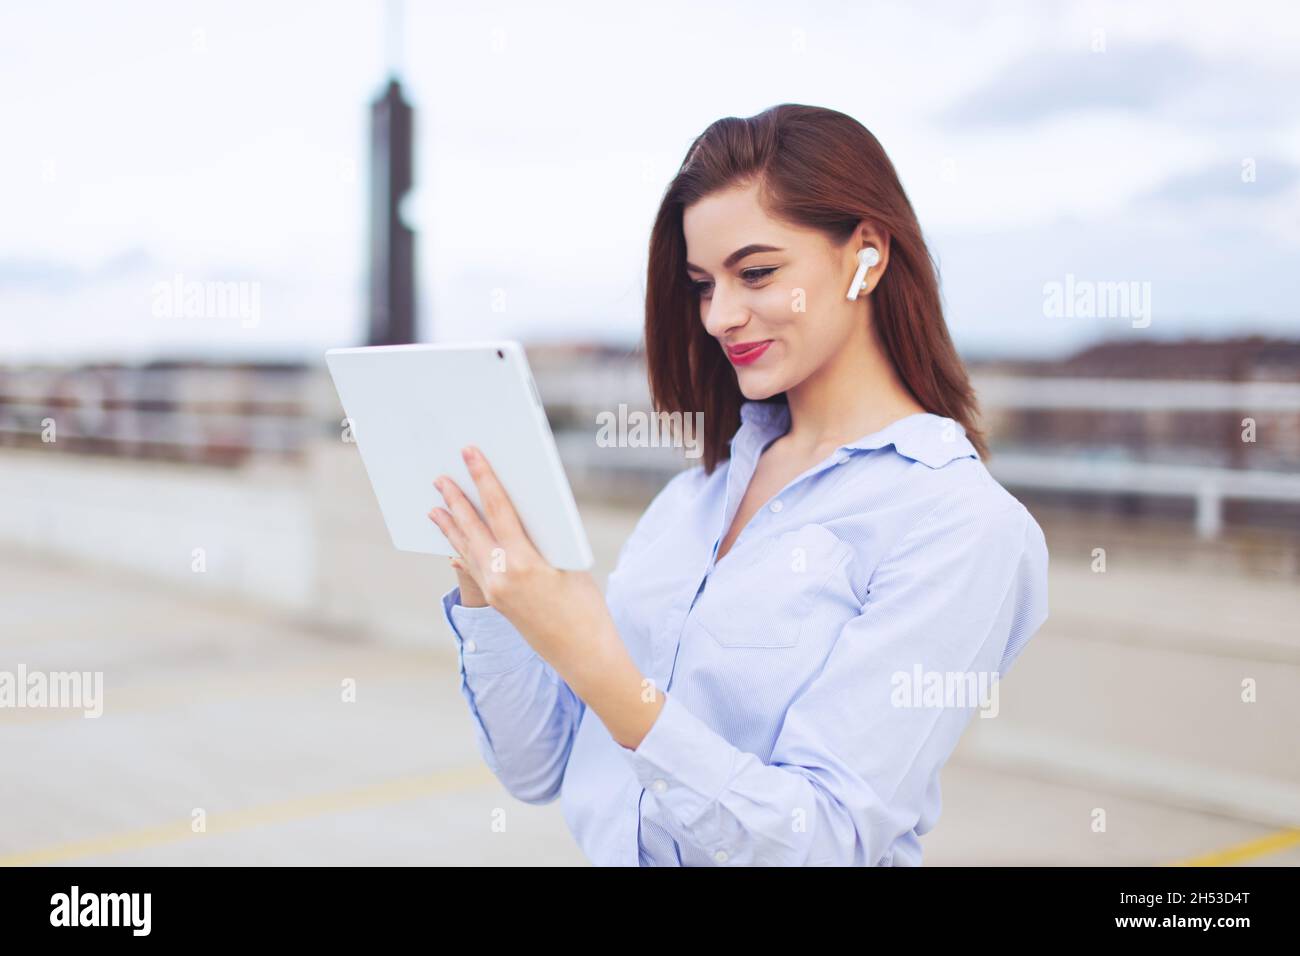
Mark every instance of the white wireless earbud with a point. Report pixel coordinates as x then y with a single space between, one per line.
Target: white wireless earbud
867 258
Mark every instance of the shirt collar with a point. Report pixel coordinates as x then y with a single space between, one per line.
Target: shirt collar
925 437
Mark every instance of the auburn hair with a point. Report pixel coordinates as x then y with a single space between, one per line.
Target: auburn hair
823 170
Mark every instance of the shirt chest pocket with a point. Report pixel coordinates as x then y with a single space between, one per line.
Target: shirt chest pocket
764 599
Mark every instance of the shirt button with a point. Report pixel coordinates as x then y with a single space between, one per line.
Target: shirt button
721 856
776 505
659 786
471 646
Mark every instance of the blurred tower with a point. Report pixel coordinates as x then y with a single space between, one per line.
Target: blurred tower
392 244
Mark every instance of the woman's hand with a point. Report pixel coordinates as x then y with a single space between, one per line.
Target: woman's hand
562 614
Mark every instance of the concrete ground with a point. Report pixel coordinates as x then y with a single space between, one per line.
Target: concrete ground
237 713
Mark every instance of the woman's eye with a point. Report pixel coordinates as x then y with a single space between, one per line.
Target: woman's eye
703 287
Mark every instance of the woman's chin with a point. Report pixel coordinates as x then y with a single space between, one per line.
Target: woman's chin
755 385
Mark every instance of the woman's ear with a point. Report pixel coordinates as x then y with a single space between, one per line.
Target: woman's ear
867 236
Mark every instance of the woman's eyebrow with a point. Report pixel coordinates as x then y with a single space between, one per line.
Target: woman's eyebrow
739 254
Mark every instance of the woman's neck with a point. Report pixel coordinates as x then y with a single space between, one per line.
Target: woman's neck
856 393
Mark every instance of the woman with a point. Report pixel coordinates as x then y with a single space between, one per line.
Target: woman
786 652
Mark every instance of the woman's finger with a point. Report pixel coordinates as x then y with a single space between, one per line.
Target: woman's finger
502 517
477 537
446 523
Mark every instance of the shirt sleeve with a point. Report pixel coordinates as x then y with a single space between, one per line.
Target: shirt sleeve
961 594
525 715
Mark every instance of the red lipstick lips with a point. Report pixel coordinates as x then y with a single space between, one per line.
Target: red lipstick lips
747 352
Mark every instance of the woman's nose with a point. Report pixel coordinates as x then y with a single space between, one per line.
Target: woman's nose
725 312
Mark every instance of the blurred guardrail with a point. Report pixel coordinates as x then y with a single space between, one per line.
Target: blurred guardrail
1137 395
1208 487
217 415
227 414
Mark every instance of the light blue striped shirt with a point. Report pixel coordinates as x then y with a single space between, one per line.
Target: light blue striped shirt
817 677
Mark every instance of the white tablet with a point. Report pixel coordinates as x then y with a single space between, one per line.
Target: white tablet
411 408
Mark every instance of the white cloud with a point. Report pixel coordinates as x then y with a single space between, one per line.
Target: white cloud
229 140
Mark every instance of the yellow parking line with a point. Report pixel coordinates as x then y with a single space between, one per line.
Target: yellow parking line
446 781
463 778
1273 843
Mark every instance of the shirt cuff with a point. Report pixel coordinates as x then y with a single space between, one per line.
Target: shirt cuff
683 761
489 643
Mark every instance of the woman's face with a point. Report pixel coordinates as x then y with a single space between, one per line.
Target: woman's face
791 296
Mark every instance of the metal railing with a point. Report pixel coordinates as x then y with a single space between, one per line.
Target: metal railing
238 411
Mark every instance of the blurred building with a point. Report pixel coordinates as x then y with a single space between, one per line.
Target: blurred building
1172 402
217 414
1206 430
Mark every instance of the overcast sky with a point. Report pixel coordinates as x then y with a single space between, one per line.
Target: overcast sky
226 142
